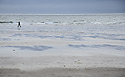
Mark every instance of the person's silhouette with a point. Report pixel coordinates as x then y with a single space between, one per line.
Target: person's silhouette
19 24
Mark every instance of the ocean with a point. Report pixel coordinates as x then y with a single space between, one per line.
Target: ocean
88 32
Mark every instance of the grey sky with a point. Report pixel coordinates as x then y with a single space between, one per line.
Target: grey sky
61 6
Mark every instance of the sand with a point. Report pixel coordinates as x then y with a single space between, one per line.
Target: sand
62 66
65 72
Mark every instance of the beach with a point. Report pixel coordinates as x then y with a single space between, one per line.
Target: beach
62 66
62 45
65 72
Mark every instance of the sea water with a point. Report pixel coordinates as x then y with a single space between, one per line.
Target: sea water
92 31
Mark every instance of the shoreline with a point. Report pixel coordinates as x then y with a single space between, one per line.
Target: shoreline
70 14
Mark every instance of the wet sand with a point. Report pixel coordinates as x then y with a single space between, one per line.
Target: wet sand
65 72
62 66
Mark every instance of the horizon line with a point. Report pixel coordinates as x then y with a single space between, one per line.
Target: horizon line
65 14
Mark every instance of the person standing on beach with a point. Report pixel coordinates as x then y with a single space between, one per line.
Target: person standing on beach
19 24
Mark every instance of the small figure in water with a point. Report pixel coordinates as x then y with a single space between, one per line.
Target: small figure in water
19 24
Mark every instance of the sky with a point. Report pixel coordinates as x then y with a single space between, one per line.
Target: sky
61 6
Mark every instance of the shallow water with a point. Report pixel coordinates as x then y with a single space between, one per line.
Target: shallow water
63 32
33 48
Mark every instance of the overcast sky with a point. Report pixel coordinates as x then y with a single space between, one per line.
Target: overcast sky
61 6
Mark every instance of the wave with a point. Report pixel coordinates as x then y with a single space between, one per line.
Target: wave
6 21
64 19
